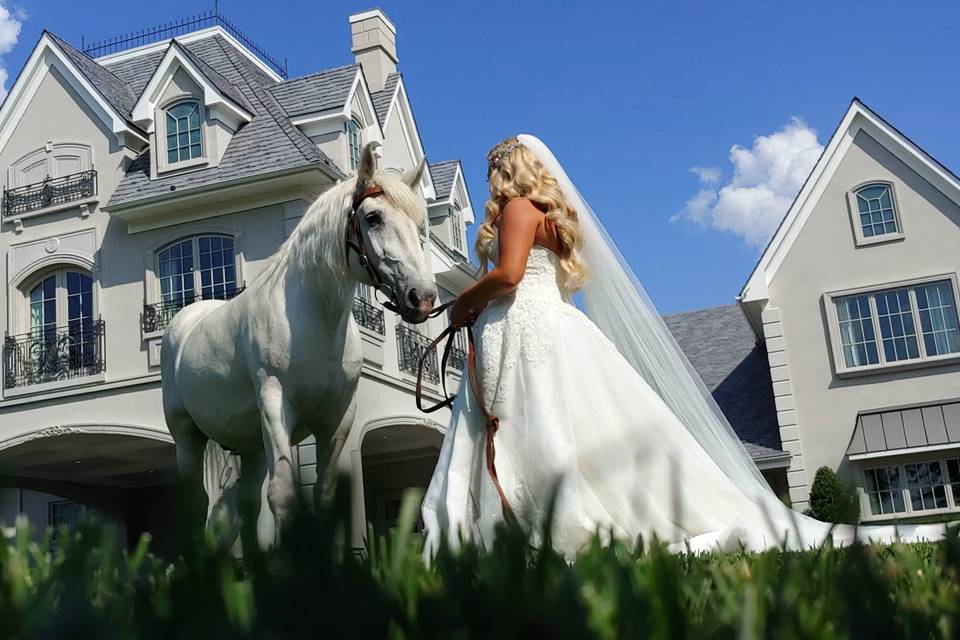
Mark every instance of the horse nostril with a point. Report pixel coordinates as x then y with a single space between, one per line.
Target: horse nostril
413 298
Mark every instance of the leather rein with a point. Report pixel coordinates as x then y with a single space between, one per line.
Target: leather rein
354 242
492 422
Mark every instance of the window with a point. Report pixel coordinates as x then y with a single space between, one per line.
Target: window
353 142
204 264
925 483
884 490
876 211
913 488
67 514
62 339
456 229
910 323
183 132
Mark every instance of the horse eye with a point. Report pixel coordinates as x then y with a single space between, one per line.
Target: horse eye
374 218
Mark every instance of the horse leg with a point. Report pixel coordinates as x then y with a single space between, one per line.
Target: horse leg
277 426
256 523
328 457
191 444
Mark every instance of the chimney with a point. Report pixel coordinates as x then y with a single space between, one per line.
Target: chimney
374 46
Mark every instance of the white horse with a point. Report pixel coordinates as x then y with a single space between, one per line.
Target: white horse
280 361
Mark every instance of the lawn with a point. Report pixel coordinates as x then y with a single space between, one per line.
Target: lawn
314 586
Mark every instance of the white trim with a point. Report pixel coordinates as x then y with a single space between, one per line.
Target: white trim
47 55
874 455
119 429
144 111
857 118
153 47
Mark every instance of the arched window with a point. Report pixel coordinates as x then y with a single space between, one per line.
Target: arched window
876 211
201 267
63 340
183 132
353 142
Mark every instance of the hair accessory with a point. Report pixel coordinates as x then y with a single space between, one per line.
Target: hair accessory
497 158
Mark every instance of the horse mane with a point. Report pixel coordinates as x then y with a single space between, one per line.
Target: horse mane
318 239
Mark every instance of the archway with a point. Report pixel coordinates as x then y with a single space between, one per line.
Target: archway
396 457
56 475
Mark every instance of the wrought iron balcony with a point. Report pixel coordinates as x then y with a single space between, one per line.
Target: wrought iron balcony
458 353
410 346
48 193
368 315
52 353
158 315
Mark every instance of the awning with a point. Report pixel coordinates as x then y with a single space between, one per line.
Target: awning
932 427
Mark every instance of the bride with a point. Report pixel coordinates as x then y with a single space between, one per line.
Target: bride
601 409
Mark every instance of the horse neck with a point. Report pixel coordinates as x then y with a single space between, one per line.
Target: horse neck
315 257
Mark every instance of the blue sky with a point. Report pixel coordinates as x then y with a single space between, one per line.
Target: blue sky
642 102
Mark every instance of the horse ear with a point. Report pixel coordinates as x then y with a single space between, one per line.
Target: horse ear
412 176
368 162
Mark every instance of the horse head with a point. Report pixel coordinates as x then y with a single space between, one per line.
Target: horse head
389 214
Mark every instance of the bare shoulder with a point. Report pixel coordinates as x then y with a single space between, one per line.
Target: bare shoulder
520 210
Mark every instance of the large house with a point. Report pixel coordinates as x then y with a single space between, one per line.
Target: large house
150 171
854 302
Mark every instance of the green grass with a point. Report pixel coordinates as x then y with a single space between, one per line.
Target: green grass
313 585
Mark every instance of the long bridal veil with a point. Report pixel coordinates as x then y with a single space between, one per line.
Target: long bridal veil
616 302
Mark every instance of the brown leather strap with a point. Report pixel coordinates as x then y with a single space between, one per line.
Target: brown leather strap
491 422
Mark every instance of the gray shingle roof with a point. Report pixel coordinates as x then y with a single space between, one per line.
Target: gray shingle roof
136 72
316 92
442 174
117 92
268 143
381 99
723 349
223 85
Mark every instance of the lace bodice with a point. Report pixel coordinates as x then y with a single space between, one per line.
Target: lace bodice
516 324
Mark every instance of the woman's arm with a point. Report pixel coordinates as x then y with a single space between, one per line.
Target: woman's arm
518 224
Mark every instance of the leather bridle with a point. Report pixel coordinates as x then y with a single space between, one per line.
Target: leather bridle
354 242
492 422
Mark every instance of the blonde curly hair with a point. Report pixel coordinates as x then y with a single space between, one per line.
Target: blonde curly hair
514 172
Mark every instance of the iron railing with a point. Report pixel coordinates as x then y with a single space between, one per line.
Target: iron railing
51 353
158 315
178 28
51 191
458 353
368 315
410 346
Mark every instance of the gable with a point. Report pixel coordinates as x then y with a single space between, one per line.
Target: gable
859 118
49 55
825 255
181 71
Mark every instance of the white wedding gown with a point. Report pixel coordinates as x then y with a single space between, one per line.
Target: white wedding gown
572 410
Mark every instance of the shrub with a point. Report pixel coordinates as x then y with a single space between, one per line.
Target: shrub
832 500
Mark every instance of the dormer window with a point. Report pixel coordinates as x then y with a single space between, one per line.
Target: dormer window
874 211
353 143
184 137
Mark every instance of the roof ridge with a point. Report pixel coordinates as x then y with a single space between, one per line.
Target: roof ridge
439 162
701 310
317 73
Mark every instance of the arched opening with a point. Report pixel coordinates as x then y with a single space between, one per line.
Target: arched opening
57 476
396 458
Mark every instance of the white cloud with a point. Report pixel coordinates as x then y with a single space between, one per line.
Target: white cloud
766 178
10 24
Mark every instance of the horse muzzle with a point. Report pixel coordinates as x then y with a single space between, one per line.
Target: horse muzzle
417 304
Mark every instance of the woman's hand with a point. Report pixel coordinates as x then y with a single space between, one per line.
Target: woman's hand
461 314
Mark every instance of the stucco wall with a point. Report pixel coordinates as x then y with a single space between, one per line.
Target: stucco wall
824 258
